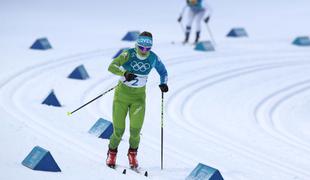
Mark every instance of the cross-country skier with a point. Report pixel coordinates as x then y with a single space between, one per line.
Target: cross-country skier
133 66
197 9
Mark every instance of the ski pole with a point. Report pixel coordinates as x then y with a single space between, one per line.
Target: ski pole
162 129
211 35
182 28
70 113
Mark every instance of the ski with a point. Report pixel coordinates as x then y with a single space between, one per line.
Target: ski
123 170
139 171
118 168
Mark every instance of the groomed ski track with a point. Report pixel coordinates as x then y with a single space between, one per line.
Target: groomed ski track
213 112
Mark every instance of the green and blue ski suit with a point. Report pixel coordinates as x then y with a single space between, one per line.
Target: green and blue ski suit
130 96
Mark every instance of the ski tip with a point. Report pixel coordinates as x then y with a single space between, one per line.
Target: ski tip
124 171
146 174
69 113
111 166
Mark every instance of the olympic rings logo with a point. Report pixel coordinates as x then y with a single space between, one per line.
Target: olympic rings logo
140 66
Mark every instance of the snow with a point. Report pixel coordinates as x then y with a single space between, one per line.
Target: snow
242 109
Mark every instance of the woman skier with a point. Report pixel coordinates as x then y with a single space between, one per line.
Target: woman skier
133 67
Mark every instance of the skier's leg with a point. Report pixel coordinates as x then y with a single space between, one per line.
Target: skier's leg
190 18
199 17
120 109
136 115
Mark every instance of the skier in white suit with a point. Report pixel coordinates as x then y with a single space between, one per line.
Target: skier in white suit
196 10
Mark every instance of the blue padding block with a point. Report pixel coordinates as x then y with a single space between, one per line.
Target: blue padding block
119 52
41 159
204 46
237 32
102 129
51 100
41 44
79 73
302 41
131 36
204 172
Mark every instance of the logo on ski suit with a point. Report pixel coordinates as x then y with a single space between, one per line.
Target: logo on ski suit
140 66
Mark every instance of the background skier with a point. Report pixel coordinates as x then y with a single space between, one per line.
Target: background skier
133 66
196 10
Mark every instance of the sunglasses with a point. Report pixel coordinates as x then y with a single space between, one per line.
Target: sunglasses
144 49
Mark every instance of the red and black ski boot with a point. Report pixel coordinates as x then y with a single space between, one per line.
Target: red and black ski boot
132 158
111 158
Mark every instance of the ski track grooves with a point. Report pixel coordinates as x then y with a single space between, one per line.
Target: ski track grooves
280 97
216 138
87 151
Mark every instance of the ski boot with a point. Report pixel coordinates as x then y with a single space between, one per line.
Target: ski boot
186 38
132 158
197 37
187 32
111 158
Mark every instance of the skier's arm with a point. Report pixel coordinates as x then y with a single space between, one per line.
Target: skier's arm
115 66
161 69
182 12
208 9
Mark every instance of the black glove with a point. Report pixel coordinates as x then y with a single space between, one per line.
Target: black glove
129 76
180 19
163 87
207 19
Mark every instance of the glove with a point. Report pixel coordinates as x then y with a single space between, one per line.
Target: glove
129 76
163 87
207 19
180 19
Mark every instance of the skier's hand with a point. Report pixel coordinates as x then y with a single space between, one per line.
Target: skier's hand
207 19
129 76
180 19
163 87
